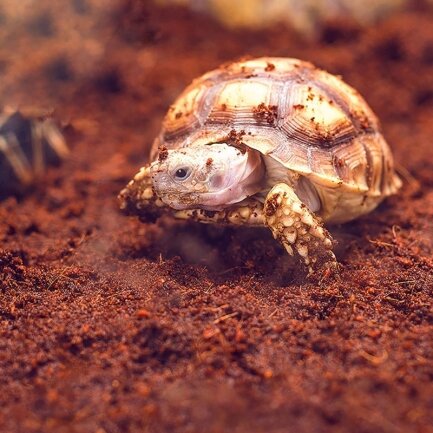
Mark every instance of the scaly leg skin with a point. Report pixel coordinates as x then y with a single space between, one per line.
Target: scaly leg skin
292 223
249 212
138 197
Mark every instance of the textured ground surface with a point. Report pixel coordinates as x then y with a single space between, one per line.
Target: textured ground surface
109 325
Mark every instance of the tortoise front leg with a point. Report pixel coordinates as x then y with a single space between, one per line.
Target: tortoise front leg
138 197
138 194
297 228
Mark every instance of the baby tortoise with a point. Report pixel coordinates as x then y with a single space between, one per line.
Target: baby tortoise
269 141
29 141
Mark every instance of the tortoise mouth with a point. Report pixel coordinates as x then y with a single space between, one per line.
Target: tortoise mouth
179 201
191 201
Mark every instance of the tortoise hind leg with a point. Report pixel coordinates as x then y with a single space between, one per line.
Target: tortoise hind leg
298 229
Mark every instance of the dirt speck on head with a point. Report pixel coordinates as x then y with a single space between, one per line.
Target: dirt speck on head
163 153
269 67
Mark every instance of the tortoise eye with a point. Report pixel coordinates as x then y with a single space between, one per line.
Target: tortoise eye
182 173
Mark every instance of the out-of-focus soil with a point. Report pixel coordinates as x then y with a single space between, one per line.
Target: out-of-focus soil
110 325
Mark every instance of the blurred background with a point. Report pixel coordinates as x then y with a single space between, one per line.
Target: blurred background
304 15
68 40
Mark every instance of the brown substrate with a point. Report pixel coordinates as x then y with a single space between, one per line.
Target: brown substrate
110 325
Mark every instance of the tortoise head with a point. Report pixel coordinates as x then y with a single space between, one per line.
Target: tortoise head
206 176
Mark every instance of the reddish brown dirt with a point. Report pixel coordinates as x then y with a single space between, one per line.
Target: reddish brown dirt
109 325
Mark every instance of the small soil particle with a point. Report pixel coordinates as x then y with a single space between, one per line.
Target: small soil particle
271 205
163 153
266 113
234 138
270 67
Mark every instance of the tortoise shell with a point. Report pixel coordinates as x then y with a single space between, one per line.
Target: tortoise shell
303 117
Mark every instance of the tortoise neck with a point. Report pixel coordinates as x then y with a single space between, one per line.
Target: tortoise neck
249 178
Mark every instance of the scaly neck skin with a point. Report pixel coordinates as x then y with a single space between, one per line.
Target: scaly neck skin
246 179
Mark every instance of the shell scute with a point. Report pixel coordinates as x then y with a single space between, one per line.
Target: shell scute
186 115
313 121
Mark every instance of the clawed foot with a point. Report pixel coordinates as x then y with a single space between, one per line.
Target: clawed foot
299 230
